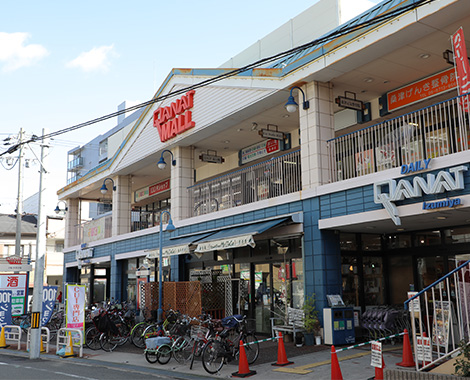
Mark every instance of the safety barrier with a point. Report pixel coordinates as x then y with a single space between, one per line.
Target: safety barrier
14 334
44 337
369 342
63 340
261 341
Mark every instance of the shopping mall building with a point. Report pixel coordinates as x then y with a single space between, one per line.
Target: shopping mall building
363 190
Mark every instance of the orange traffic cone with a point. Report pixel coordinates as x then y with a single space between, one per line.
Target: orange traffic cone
281 353
41 349
335 370
379 372
243 369
407 357
3 342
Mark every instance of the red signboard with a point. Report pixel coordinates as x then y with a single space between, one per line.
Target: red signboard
462 68
425 88
175 118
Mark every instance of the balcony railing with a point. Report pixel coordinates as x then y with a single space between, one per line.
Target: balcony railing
431 132
75 164
272 178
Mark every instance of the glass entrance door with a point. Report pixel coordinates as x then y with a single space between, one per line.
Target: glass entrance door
262 307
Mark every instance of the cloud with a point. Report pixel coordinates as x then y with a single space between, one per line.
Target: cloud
14 53
97 59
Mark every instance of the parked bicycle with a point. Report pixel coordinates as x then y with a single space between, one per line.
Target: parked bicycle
225 346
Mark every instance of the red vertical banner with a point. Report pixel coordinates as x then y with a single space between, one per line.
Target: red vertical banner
462 68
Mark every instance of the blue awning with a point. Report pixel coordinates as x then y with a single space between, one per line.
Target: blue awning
235 237
177 246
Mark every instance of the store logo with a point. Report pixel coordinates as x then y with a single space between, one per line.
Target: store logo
176 118
440 204
389 191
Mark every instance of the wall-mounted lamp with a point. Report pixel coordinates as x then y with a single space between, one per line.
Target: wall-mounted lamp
291 105
104 189
162 164
59 210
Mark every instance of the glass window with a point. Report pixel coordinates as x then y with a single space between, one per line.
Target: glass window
297 272
371 242
427 238
398 241
458 235
400 277
350 280
348 242
373 281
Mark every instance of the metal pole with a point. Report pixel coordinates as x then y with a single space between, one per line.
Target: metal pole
19 204
40 253
160 277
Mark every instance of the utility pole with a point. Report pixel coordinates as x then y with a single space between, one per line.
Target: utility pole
40 253
19 204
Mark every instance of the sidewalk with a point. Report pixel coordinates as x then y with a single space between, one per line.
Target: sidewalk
354 363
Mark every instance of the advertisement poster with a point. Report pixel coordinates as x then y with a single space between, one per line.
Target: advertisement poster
440 329
376 354
49 296
75 306
5 307
365 162
17 283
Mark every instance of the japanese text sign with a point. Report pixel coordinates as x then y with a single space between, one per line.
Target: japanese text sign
17 284
75 306
5 307
49 295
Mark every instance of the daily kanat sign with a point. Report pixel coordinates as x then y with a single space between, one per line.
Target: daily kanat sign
388 191
176 118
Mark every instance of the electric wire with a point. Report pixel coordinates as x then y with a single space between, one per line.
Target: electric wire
336 33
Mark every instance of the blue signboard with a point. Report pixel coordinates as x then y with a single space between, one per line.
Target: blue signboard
49 295
5 307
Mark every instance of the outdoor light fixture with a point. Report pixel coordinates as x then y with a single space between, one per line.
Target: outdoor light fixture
162 164
291 105
104 189
170 227
59 210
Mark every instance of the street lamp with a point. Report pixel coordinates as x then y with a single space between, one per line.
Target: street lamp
58 210
104 189
291 105
170 227
162 164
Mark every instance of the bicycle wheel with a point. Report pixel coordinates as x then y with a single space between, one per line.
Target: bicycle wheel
151 356
92 338
124 334
107 342
213 356
150 330
164 354
182 350
252 350
137 335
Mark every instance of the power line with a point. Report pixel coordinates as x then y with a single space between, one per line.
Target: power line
341 31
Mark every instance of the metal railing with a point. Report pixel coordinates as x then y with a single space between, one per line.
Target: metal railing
434 131
440 317
272 178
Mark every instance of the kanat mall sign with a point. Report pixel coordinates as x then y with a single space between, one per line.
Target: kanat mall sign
176 118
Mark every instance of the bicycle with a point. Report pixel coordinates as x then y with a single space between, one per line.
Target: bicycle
225 346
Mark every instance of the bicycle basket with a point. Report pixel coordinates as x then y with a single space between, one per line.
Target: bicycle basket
198 331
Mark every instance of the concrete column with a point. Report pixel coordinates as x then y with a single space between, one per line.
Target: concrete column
316 128
72 223
182 176
122 198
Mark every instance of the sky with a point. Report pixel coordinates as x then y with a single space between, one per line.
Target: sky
63 63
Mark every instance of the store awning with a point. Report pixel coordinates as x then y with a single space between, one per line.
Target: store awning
235 237
177 246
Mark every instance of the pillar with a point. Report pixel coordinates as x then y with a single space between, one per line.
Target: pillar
122 198
316 128
182 176
72 223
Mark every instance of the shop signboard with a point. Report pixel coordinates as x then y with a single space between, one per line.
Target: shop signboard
425 88
49 296
150 191
14 264
365 162
376 354
259 150
75 306
462 68
423 349
388 191
17 284
5 307
94 230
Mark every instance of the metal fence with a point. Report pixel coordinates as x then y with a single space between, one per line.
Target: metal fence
430 132
272 178
440 317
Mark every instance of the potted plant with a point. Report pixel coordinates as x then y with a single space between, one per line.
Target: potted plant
311 322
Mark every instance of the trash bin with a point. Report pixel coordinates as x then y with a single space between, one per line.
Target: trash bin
338 325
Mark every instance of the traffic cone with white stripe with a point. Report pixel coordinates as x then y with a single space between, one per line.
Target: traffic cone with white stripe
69 348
